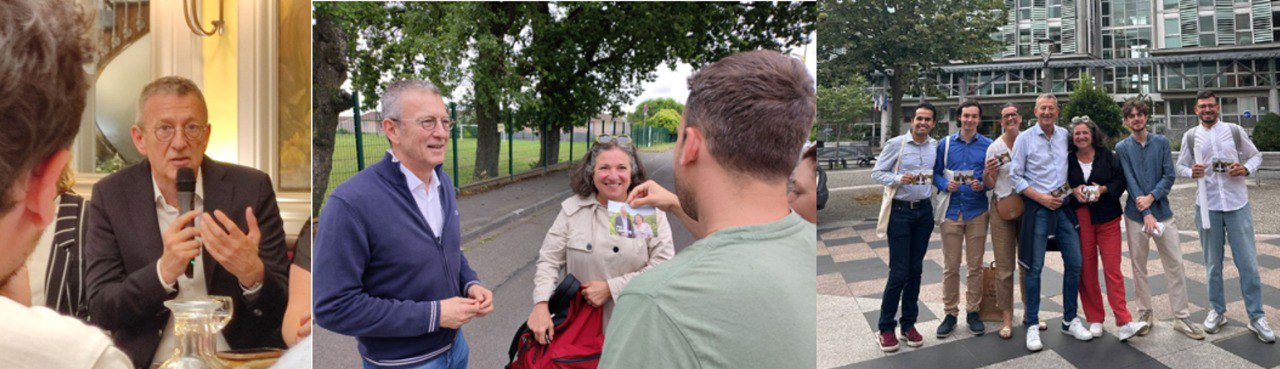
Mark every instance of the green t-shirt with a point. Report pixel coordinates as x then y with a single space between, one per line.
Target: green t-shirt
743 297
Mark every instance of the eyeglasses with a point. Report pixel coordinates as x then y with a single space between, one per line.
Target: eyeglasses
429 123
1011 116
193 131
1082 118
1207 106
620 139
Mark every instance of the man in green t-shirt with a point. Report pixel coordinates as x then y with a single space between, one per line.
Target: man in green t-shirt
743 296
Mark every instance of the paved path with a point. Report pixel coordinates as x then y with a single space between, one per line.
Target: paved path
852 266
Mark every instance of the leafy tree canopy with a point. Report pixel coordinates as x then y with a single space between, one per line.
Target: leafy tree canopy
907 37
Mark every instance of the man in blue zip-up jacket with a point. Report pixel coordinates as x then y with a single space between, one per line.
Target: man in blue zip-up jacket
388 264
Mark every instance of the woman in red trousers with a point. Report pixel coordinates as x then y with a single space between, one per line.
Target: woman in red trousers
1097 181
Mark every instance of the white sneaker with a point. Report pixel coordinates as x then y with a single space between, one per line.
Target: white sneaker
1076 329
1214 321
1262 330
1095 329
1033 339
1129 330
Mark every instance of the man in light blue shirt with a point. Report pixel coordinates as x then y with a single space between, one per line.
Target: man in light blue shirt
965 226
906 163
1038 170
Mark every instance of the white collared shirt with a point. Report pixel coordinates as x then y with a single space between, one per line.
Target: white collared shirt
1222 191
194 286
425 196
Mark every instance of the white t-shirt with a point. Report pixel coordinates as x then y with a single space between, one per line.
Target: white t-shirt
40 338
1087 168
1004 185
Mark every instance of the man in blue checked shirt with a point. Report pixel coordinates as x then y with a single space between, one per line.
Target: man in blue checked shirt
961 159
906 164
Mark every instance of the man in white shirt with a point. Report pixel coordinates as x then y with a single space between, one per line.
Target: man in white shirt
1219 156
41 100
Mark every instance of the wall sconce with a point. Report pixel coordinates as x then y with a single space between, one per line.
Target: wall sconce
193 19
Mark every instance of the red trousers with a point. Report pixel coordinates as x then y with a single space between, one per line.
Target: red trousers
1101 240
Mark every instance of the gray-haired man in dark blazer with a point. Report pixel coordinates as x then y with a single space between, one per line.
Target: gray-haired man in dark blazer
138 250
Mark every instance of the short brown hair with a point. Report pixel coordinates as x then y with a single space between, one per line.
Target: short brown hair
581 179
756 109
1135 105
173 85
46 45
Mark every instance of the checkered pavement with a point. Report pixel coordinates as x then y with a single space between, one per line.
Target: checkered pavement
852 267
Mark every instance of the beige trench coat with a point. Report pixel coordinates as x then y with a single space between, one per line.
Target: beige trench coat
579 243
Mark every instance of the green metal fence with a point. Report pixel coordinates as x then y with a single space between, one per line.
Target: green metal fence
646 136
360 143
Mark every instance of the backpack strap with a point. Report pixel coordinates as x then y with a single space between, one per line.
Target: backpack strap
1236 132
1191 146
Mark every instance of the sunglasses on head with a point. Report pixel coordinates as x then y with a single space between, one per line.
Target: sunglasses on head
620 139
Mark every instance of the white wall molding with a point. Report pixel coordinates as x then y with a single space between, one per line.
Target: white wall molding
175 50
257 81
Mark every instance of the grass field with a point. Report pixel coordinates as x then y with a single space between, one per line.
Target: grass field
375 146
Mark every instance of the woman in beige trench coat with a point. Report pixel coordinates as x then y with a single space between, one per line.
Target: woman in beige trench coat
579 242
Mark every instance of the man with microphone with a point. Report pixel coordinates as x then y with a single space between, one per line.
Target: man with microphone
180 223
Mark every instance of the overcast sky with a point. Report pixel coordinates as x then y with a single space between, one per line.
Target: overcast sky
672 83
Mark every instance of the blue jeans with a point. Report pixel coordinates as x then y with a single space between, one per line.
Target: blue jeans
1237 228
455 358
1069 242
908 234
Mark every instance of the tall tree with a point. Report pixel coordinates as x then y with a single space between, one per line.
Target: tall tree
900 39
329 72
550 65
492 79
637 115
388 41
665 118
1089 99
587 57
840 105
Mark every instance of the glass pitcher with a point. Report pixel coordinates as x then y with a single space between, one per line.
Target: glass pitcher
196 323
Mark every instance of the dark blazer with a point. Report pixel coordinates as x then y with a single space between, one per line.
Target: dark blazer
1106 172
124 244
64 281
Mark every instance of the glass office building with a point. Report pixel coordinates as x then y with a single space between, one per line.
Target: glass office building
1165 49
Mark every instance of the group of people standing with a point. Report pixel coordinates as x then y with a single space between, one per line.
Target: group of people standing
1051 188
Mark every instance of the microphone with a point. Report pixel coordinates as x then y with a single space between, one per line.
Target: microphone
186 202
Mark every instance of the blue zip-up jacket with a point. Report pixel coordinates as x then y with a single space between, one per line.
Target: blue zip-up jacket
380 272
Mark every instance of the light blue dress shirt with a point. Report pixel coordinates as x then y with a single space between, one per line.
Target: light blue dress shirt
916 158
1039 160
